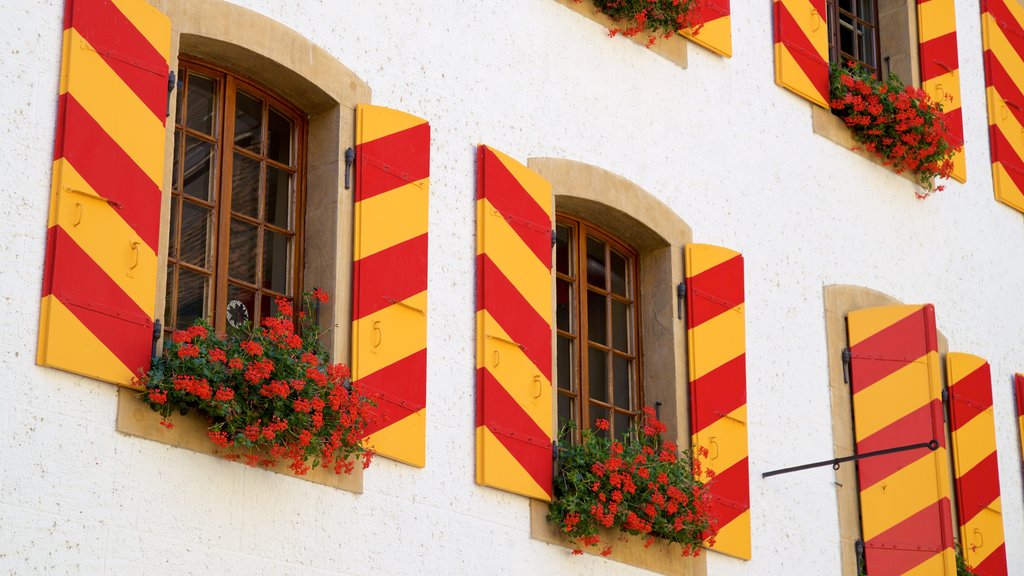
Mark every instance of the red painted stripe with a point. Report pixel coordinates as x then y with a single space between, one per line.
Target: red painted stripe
392 161
51 246
913 428
398 389
125 49
955 125
110 171
516 431
1018 381
711 10
397 273
730 492
514 314
911 542
1008 89
788 32
994 564
978 488
971 396
899 344
1008 24
527 218
718 393
99 303
939 56
1003 152
714 291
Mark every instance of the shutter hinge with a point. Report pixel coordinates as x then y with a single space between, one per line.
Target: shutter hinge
157 331
172 83
680 296
657 409
846 365
554 461
350 158
858 550
945 395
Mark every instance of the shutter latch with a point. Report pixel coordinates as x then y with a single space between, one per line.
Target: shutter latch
680 296
846 365
157 330
350 157
172 83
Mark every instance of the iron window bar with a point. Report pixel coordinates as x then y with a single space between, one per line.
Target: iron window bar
835 462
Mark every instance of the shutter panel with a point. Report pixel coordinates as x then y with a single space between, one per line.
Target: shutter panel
940 68
389 297
715 32
801 48
975 464
718 386
99 283
904 497
1018 388
1002 25
513 327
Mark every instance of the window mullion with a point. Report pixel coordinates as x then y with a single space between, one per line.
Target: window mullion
226 143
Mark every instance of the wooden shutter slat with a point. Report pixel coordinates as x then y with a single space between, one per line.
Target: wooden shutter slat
1002 25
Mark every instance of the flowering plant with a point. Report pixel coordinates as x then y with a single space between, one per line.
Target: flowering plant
657 17
640 485
268 393
901 124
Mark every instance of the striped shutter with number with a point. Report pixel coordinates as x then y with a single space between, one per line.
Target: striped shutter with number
1018 388
940 68
718 386
904 497
801 48
99 283
513 327
389 296
715 32
975 463
1002 32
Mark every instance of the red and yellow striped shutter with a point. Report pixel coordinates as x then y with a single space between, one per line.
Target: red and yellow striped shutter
99 283
801 48
1002 32
715 32
906 522
975 464
718 386
940 68
389 296
513 327
1018 388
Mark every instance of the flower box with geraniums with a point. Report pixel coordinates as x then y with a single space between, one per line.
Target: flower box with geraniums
900 124
269 394
655 18
640 485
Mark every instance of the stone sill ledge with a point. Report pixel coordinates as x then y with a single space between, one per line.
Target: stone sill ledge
672 49
826 124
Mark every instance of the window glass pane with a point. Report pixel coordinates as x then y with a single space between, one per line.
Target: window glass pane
620 425
565 411
245 186
276 262
241 306
193 296
563 250
172 235
621 326
595 413
597 366
279 198
242 252
176 162
195 234
622 383
268 306
248 122
597 318
564 357
595 262
864 11
619 273
279 138
564 306
169 298
202 104
199 169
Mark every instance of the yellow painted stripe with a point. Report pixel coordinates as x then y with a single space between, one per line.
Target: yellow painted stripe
377 122
389 335
983 534
934 19
734 538
942 563
703 257
791 76
891 398
974 441
514 258
65 61
901 495
715 35
67 344
516 373
945 89
117 109
866 323
725 439
535 185
396 441
1006 190
812 24
1001 48
106 237
960 166
152 23
717 341
391 218
960 365
496 467
1016 10
1006 122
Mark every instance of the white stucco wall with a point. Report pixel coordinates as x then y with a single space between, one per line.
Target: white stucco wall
719 142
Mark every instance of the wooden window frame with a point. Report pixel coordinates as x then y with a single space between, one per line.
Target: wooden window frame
836 55
228 84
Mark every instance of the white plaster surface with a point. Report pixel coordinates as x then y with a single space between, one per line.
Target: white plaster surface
719 143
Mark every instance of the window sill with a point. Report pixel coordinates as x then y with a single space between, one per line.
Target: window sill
672 49
662 557
832 127
135 418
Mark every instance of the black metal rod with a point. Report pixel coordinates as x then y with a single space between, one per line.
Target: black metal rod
835 462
